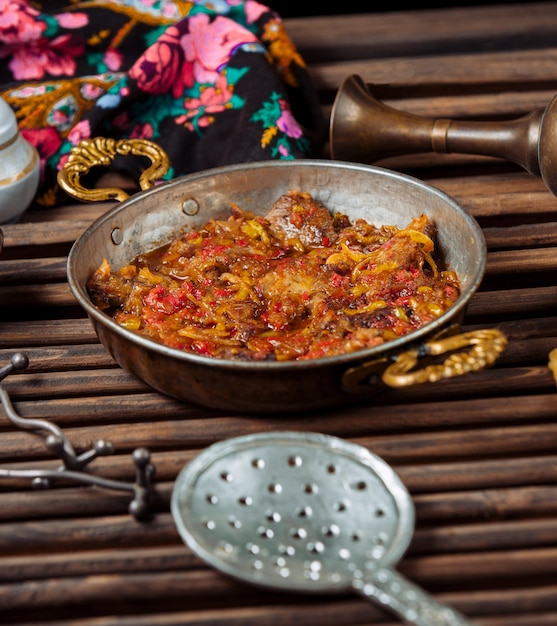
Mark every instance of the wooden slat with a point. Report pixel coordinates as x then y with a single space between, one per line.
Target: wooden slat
51 332
473 72
517 261
410 33
56 294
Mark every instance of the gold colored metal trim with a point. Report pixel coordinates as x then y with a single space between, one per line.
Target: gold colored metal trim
486 344
102 151
10 141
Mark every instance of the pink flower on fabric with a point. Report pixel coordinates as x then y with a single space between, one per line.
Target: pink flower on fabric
90 91
18 23
209 45
60 117
142 131
63 160
162 67
288 124
28 91
113 60
56 58
283 150
211 100
254 10
45 140
82 130
72 20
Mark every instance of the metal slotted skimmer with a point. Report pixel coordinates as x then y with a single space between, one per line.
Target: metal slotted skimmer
304 512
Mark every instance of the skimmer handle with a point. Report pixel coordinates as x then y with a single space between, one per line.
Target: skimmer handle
402 597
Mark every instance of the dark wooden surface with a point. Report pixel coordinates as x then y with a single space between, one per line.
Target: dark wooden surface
477 453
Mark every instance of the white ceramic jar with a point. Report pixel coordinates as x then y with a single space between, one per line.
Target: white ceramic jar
19 168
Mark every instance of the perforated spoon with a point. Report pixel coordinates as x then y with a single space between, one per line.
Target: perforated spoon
304 512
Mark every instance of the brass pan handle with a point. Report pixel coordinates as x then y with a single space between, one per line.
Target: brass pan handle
486 346
102 151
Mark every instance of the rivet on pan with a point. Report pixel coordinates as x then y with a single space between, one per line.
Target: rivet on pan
117 236
190 206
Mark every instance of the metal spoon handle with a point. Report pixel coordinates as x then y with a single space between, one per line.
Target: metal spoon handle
402 597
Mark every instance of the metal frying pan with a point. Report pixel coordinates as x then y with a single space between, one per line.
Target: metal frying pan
304 512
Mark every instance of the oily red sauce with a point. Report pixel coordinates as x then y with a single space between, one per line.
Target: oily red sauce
296 284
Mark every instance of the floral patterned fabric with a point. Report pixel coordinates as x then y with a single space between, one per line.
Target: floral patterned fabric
212 83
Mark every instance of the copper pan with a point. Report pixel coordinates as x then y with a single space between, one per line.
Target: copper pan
154 216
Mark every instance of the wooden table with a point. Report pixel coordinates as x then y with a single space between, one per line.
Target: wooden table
477 453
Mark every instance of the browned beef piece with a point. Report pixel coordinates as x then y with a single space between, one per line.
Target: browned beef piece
296 215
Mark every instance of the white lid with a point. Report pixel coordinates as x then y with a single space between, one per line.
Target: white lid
8 123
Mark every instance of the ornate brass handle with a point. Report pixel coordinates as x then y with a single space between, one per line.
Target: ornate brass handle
486 346
102 151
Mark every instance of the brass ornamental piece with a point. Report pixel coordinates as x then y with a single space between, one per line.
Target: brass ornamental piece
398 371
363 129
102 151
486 345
